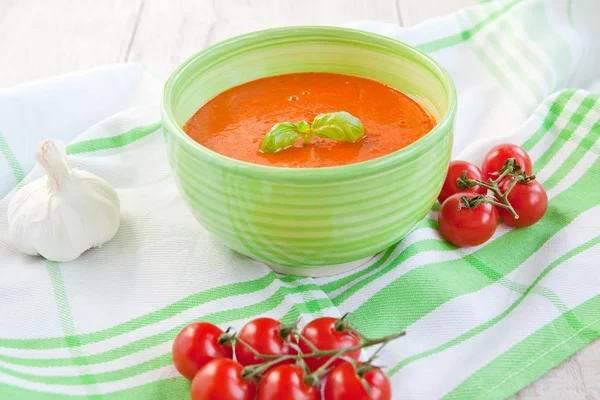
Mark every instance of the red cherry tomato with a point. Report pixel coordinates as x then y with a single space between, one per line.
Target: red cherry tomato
343 383
455 170
263 335
321 332
221 379
286 382
495 158
529 200
196 345
467 226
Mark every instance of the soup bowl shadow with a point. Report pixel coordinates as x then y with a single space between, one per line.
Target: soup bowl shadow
309 221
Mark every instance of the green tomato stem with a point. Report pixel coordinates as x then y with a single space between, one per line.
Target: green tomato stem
509 169
313 348
254 370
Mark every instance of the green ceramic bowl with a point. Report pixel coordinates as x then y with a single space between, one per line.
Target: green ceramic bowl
310 221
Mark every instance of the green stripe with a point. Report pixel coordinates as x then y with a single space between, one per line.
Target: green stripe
565 134
136 367
466 34
542 32
290 278
436 245
62 304
66 322
428 222
523 54
503 81
499 51
570 12
552 297
555 111
234 289
410 251
11 159
477 330
309 307
538 350
539 290
172 389
436 283
531 358
141 132
148 394
583 147
90 379
86 146
113 142
332 286
164 360
219 317
219 292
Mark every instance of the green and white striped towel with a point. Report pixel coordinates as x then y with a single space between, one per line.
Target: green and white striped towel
482 322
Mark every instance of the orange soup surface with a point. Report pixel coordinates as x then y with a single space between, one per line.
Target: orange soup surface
235 122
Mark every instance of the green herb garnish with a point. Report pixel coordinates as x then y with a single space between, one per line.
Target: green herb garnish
340 126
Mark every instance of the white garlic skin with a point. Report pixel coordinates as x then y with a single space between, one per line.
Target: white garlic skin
65 213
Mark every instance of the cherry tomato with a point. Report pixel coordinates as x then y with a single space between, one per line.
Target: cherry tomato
321 332
221 379
196 345
263 335
495 158
286 382
343 383
467 226
529 200
455 170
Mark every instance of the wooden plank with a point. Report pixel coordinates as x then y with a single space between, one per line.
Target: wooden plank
413 12
170 32
41 38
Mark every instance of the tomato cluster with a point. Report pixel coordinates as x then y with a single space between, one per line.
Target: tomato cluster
267 360
469 216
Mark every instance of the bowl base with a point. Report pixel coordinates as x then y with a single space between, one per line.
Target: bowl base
317 272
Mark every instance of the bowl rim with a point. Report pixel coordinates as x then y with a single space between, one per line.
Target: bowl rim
267 172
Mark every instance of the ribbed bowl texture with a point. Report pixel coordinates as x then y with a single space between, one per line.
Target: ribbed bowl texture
309 217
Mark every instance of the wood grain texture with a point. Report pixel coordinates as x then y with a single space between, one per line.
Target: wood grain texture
170 32
40 38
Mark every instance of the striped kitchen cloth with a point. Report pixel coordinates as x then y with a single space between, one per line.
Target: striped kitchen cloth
482 322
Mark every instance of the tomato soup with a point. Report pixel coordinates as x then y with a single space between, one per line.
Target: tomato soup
235 122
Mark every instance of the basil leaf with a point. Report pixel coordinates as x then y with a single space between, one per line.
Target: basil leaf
303 127
280 137
340 126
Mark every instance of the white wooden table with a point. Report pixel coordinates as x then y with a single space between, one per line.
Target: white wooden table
40 38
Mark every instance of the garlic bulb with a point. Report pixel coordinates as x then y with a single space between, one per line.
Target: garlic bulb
63 214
